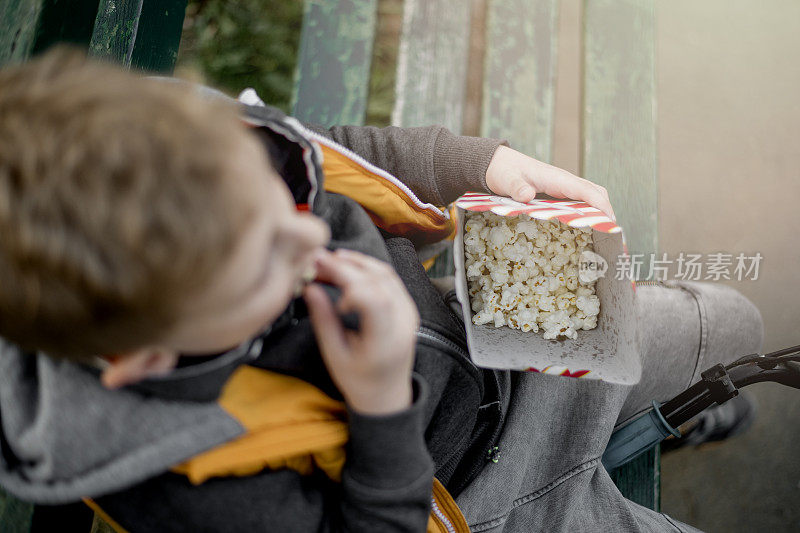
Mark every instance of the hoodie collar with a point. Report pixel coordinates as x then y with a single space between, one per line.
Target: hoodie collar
203 381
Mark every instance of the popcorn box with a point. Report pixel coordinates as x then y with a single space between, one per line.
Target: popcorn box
608 352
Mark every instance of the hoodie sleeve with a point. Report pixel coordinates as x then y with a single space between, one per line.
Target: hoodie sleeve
386 486
436 164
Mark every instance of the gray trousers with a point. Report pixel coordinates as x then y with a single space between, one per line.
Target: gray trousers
549 477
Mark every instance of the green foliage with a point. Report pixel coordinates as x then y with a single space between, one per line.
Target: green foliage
384 62
243 43
232 45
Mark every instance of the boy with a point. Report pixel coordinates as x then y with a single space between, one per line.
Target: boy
156 361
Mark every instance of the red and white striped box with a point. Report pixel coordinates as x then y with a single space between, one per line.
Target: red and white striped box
609 352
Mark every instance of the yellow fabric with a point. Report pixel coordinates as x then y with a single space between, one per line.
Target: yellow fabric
289 422
447 505
389 207
103 516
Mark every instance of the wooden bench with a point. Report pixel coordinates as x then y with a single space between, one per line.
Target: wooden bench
515 64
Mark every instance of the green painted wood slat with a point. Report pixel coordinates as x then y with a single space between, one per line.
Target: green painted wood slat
640 479
432 63
15 515
20 20
519 74
619 114
619 152
333 68
432 74
144 34
30 26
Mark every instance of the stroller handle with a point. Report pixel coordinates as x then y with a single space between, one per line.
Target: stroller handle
718 385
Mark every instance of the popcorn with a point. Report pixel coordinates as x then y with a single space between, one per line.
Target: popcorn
558 324
499 319
500 235
499 274
541 285
590 305
545 302
565 300
527 320
522 273
528 227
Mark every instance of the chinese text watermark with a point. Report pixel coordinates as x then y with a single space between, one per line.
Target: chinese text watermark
689 267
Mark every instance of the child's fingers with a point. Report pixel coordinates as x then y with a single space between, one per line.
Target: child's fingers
371 303
370 287
562 184
335 270
327 325
364 261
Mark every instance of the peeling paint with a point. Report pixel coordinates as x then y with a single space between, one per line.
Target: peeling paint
619 121
333 69
432 63
519 74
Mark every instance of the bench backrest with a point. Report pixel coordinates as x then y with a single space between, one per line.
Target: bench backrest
518 63
140 33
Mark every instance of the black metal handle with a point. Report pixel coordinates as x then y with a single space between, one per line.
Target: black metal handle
719 384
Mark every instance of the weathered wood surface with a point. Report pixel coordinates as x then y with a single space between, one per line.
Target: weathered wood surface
619 152
30 26
334 62
619 114
640 480
432 74
144 34
65 22
519 75
19 22
159 36
15 515
432 63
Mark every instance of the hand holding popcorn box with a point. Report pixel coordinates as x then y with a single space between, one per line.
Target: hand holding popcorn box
536 292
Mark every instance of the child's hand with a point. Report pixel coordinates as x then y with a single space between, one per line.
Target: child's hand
514 174
372 367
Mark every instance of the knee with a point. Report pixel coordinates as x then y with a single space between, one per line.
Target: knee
732 325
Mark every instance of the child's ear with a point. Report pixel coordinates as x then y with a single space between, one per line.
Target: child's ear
135 366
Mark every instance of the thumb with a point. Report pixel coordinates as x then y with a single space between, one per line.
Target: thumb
520 190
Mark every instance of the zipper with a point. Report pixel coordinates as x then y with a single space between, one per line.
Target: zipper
445 344
249 96
441 516
440 341
375 170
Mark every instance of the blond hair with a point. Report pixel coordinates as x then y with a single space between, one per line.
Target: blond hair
116 203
